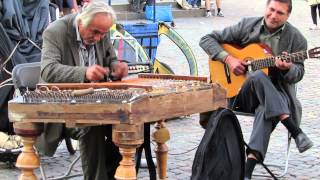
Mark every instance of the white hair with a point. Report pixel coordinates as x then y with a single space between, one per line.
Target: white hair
93 8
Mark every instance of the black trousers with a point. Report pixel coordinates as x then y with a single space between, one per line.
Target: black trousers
314 13
99 155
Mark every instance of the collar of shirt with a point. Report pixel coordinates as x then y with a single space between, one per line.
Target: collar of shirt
271 39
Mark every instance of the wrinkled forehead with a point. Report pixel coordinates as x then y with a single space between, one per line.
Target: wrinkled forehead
101 21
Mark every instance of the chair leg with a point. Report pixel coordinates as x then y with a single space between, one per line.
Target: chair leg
43 174
67 174
284 172
287 157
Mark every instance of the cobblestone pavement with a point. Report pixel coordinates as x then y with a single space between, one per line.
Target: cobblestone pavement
186 132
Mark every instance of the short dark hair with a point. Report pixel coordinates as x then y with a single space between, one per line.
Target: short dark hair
289 2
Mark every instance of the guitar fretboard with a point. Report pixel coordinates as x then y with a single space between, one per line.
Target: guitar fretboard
270 61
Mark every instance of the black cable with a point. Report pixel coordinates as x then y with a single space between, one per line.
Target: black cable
174 154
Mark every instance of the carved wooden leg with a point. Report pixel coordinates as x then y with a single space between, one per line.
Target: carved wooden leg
28 160
161 135
128 138
126 169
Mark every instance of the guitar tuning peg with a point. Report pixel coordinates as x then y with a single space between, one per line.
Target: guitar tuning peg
314 52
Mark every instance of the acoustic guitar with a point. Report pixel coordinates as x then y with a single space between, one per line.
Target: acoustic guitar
258 57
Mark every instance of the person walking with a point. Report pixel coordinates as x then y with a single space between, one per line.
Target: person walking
218 5
314 5
71 4
208 8
193 3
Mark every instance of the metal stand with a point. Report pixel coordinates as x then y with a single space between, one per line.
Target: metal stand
66 175
286 165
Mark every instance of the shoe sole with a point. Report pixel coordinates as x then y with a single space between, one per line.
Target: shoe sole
305 148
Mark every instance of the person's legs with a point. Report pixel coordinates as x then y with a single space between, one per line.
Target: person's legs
218 4
92 151
318 10
99 156
149 2
260 96
259 140
263 92
249 167
191 2
137 5
208 8
199 2
314 14
73 5
302 141
195 3
259 90
59 3
113 156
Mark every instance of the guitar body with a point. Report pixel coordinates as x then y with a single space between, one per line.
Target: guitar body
248 53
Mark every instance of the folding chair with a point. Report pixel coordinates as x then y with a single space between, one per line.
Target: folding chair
265 165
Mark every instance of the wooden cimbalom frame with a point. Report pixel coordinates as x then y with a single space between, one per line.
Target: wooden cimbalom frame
126 104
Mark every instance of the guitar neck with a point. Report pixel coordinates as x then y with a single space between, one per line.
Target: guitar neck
270 61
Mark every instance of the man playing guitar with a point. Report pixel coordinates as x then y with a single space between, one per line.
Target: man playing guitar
272 97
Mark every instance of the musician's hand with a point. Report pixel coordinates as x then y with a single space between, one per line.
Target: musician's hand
120 70
96 73
237 66
281 64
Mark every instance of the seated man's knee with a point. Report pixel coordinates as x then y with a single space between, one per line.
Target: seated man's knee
257 76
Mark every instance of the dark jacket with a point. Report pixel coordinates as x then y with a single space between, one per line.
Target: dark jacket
247 31
60 63
60 56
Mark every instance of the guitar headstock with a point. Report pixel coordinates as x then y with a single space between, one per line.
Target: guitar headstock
314 52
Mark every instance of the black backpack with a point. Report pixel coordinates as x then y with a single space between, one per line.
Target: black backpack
221 153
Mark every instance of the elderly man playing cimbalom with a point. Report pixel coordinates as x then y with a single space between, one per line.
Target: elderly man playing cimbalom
77 49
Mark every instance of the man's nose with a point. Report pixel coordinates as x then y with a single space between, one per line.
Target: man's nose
274 15
98 37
